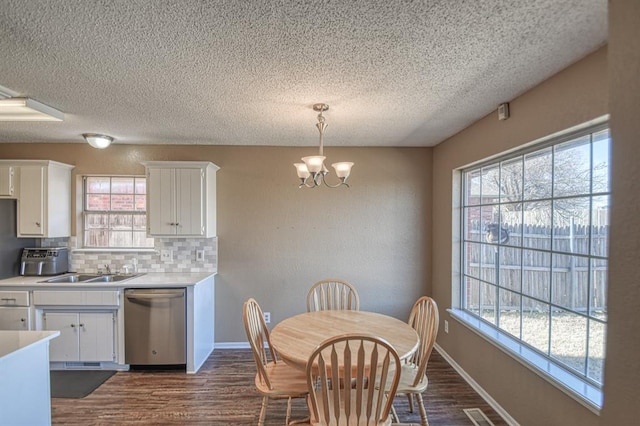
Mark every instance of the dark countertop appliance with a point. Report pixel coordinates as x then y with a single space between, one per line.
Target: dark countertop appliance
44 261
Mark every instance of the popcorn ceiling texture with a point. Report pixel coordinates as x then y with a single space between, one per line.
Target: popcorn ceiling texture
394 72
184 256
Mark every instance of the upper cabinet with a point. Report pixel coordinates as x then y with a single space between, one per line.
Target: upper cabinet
181 198
7 181
43 191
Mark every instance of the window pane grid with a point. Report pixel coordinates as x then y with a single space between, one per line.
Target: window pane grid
535 235
114 213
597 316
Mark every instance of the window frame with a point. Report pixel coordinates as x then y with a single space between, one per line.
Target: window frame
84 212
587 390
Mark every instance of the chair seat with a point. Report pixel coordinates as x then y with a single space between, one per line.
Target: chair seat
408 374
285 380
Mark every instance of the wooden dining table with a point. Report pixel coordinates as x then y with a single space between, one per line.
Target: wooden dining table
295 338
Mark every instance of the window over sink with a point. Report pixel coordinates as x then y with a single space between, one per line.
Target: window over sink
115 212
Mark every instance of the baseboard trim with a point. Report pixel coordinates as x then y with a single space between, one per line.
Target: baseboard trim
232 345
476 387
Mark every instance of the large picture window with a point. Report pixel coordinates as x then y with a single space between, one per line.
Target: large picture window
535 238
115 212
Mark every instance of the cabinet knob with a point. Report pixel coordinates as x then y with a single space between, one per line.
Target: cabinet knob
38 224
73 326
22 320
81 325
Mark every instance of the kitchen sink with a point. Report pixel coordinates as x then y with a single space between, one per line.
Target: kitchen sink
112 278
75 278
91 278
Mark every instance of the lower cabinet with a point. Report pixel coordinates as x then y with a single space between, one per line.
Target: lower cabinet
84 336
15 313
15 319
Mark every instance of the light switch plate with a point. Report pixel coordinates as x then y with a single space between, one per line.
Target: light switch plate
199 255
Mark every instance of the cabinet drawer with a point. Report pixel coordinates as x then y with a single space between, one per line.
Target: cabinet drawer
76 298
14 298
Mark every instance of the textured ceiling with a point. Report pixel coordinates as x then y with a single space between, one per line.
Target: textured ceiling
395 73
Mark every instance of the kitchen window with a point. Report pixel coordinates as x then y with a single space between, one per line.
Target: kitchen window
114 213
534 246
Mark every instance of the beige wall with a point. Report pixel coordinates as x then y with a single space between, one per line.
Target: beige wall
276 240
574 96
622 369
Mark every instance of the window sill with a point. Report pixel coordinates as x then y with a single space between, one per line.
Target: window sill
114 250
583 392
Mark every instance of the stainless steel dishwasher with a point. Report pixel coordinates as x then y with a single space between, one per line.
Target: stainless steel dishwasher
155 326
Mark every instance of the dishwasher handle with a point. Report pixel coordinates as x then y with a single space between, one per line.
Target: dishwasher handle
145 295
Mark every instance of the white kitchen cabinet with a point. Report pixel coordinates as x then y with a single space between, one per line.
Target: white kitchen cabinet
44 199
15 319
84 336
86 320
15 313
7 181
181 198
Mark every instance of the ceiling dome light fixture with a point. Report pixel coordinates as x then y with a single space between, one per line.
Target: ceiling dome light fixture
97 141
313 166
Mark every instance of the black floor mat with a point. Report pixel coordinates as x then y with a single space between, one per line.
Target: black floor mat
77 383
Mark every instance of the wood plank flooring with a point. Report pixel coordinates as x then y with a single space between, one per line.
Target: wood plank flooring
223 393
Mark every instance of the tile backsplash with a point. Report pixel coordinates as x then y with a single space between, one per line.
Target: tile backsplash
183 256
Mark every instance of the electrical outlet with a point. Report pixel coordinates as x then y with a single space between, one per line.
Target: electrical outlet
446 326
267 317
199 255
166 255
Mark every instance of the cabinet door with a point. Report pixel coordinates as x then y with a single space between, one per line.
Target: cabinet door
31 199
66 346
190 207
161 202
14 319
7 182
96 336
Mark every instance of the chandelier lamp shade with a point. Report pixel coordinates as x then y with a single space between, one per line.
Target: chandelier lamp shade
312 172
97 140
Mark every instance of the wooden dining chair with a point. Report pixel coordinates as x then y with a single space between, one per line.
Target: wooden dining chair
424 319
332 294
274 379
349 378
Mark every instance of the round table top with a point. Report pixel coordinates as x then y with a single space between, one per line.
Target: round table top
295 338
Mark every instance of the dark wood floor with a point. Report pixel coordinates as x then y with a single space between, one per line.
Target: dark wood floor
223 393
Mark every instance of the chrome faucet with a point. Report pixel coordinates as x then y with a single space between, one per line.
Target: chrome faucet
107 269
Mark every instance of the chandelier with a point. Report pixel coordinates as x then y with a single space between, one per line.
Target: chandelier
313 171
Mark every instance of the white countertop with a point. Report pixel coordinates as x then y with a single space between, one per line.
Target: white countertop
11 342
148 280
